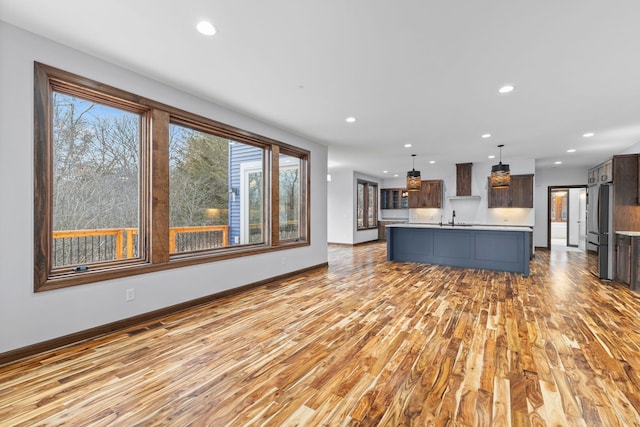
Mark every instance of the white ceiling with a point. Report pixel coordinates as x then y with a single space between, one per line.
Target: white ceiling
422 72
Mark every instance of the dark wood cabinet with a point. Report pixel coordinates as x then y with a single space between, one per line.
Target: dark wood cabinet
499 197
605 171
628 260
382 228
623 259
519 194
626 213
635 264
601 173
394 198
429 196
592 176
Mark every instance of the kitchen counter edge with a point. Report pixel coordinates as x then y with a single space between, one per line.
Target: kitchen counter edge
464 227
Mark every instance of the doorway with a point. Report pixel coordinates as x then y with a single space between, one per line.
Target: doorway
567 214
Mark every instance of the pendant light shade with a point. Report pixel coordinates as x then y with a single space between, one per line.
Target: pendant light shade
413 177
500 174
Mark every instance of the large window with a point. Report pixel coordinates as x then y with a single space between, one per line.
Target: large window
125 185
367 205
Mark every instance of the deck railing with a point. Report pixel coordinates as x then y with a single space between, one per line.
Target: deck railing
77 247
288 230
185 239
74 247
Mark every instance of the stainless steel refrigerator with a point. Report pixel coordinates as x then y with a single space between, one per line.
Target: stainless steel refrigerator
600 229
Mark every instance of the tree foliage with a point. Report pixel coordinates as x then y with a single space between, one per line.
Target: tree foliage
199 187
96 165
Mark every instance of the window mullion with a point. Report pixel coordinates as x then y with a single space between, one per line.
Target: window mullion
275 195
159 197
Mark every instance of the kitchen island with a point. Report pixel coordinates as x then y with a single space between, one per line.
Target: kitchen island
476 246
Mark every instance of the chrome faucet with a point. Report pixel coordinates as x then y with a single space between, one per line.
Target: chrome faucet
453 218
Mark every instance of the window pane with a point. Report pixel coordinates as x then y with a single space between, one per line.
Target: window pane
290 203
216 191
360 204
96 190
372 206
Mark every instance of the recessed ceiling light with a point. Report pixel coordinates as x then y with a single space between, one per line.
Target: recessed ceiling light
206 28
432 161
558 163
588 134
385 171
350 119
571 150
407 145
491 156
506 89
486 135
396 175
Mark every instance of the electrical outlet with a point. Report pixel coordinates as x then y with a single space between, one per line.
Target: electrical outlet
130 294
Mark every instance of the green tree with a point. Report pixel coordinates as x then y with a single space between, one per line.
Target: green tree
198 178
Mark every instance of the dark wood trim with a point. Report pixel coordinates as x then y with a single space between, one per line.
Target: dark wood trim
549 191
42 176
275 195
366 207
92 333
159 203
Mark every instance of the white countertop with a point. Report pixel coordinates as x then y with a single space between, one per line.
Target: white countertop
629 233
464 227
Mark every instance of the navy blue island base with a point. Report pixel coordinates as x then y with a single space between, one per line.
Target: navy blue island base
486 247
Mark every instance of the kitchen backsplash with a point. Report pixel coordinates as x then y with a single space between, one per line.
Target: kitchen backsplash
467 213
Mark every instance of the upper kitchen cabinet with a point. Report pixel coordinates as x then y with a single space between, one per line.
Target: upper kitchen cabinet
519 194
626 178
601 174
429 196
393 198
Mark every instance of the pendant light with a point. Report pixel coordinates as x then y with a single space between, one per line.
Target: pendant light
413 177
500 174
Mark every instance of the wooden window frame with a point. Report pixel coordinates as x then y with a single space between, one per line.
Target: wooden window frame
154 187
304 198
366 207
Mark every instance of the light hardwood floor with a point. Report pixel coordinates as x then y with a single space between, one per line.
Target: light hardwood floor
364 342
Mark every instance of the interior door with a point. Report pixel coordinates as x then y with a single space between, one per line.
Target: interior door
582 219
576 216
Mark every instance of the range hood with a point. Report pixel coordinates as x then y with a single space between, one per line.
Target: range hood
463 182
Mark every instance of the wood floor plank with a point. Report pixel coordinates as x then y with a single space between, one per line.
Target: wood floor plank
365 342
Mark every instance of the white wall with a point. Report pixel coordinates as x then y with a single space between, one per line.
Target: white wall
634 149
340 207
545 178
27 317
